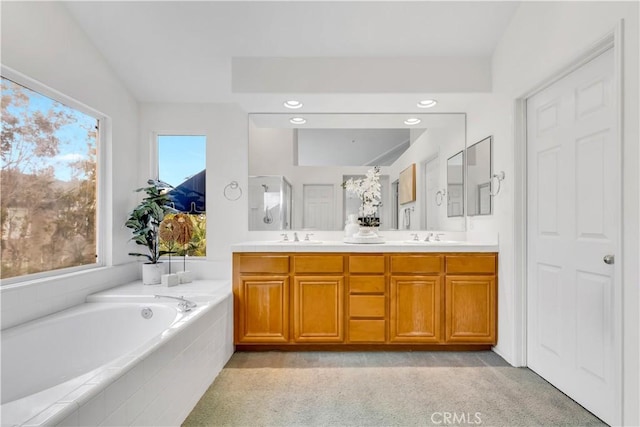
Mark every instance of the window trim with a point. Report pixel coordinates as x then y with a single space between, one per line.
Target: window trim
104 131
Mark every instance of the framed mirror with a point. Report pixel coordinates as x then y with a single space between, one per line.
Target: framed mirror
315 158
455 185
479 170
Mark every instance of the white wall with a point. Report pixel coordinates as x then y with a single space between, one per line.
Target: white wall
542 38
42 41
225 126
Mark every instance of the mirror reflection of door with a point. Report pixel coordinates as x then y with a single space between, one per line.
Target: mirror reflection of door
455 185
432 185
394 204
319 206
479 177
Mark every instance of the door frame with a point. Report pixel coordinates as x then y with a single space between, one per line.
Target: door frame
612 40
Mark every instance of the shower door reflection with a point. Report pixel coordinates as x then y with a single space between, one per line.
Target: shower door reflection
269 203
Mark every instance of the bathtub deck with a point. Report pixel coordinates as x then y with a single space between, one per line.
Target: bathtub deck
198 291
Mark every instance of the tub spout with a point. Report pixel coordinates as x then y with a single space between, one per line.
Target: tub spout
183 305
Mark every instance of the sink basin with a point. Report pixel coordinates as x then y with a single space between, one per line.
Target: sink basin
301 242
433 242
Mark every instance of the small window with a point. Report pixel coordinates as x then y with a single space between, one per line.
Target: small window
49 183
182 164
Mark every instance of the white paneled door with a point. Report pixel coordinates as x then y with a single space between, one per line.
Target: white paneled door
319 210
573 230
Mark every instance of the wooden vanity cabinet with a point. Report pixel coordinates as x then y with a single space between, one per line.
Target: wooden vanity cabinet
416 301
401 299
261 303
471 309
367 299
318 298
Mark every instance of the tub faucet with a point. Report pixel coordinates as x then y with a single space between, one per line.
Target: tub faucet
183 305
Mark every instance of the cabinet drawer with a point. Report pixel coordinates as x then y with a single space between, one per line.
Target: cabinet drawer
366 264
429 264
263 264
318 264
470 264
366 305
366 284
366 330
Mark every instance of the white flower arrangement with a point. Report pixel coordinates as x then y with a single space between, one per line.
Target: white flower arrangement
367 189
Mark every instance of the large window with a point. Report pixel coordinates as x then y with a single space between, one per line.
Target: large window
48 179
182 164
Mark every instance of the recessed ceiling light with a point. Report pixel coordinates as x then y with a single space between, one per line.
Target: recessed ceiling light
297 120
293 104
427 103
412 121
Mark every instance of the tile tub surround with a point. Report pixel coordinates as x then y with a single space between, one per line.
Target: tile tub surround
159 387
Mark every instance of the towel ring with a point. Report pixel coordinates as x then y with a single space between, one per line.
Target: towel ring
232 186
440 197
498 177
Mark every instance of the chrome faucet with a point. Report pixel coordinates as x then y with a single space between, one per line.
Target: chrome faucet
183 305
428 238
295 236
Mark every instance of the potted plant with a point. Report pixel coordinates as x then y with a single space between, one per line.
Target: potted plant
145 221
367 189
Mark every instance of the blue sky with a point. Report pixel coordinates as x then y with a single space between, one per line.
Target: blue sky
180 157
73 137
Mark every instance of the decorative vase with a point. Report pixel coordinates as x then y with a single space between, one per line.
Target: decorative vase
351 226
152 273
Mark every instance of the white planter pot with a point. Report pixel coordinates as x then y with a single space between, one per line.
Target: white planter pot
152 273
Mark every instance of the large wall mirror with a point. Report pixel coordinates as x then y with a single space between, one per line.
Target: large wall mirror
308 163
479 172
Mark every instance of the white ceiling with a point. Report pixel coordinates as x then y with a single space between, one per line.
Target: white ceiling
170 51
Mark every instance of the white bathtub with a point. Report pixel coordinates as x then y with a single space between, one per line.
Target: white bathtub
104 363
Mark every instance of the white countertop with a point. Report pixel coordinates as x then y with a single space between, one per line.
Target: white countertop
387 246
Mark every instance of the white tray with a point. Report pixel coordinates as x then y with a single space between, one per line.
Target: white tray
372 239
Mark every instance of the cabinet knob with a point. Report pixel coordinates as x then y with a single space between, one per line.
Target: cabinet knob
609 259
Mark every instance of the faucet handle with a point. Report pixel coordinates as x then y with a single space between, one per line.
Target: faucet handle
307 237
285 237
438 236
415 236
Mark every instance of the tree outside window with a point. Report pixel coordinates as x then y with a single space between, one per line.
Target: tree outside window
48 183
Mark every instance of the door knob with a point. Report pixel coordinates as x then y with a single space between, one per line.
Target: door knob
608 259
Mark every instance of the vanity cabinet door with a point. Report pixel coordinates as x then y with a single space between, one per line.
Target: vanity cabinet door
416 309
318 309
263 309
470 309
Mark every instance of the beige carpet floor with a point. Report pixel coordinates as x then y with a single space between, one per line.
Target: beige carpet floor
382 389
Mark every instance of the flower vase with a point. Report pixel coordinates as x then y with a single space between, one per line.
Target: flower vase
367 232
